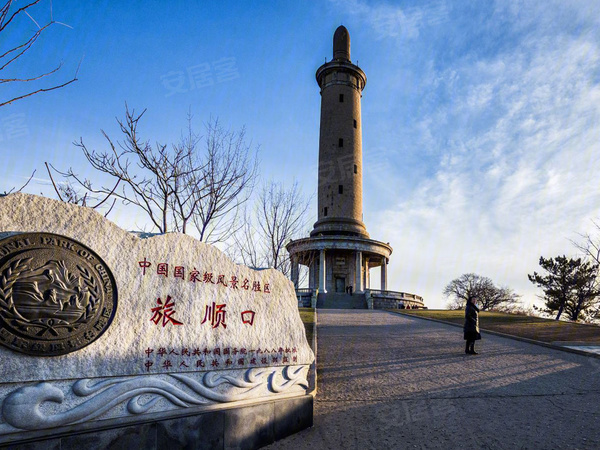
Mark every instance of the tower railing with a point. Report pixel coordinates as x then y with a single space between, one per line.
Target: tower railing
380 299
376 299
307 297
304 290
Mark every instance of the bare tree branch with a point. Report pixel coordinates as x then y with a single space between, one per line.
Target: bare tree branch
10 80
472 286
229 173
280 215
4 12
591 245
69 194
13 54
21 188
174 185
8 102
53 183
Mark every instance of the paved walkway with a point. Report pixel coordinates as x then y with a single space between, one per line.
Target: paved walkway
391 381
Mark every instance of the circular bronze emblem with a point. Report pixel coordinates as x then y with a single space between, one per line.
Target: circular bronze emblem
56 295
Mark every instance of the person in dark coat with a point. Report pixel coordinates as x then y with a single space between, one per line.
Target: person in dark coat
471 328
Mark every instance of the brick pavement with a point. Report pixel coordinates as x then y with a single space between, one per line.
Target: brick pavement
391 381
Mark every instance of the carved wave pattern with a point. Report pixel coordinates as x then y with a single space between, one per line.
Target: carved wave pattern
22 407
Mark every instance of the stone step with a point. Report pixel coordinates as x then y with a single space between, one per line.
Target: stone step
341 301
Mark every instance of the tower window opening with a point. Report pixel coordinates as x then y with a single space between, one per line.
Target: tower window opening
354 123
355 168
341 98
340 142
341 188
325 211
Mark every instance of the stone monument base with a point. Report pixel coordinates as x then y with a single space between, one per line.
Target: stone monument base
244 427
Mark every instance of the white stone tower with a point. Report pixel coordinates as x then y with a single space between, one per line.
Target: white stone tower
339 252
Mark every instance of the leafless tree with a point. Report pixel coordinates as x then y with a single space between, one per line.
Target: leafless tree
9 57
497 297
590 247
190 184
282 216
591 244
279 215
153 189
472 286
247 246
229 174
460 290
174 186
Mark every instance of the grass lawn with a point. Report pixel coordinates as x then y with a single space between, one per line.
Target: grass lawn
308 318
545 330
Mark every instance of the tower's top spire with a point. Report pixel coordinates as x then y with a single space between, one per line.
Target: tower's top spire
341 44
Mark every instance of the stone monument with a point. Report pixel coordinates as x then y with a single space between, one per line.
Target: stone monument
159 342
339 252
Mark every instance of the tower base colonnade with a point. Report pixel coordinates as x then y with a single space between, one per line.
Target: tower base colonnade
339 268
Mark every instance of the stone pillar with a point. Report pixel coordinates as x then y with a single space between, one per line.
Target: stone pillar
294 270
315 273
322 272
384 274
358 287
367 274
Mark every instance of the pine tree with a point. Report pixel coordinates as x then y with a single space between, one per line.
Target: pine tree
569 285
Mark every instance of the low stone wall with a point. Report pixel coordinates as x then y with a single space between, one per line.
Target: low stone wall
375 299
392 300
304 299
385 303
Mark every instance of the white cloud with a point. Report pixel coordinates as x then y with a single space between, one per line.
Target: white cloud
519 162
391 21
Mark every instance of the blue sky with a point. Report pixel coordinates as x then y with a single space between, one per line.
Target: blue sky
481 119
